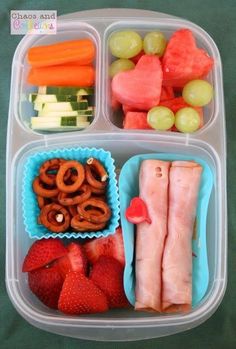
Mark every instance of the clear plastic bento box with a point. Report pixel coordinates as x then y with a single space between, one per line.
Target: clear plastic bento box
208 143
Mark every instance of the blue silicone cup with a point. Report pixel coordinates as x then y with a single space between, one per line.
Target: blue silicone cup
30 207
129 188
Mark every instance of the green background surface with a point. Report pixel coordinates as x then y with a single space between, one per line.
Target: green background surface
218 18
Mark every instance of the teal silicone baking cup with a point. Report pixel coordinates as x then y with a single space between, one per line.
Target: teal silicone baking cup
30 206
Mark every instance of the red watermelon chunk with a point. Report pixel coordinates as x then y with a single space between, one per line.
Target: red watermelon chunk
136 120
126 108
136 58
167 92
177 103
202 56
115 105
140 87
174 104
183 61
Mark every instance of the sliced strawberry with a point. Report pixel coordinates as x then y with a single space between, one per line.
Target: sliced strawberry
107 274
80 295
43 252
46 284
74 260
111 245
183 60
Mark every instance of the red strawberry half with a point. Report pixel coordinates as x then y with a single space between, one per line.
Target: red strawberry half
111 245
74 260
43 252
183 60
80 295
107 274
46 284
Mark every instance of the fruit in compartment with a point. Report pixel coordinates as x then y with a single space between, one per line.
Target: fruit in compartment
119 65
111 246
197 93
139 88
136 58
154 43
46 284
187 120
183 61
167 92
79 295
161 118
107 274
71 278
125 44
74 260
42 253
136 120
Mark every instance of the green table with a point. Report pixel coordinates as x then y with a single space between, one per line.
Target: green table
218 18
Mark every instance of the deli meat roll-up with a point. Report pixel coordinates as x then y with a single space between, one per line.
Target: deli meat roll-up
153 189
184 181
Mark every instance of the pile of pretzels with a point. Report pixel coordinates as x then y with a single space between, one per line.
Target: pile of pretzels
71 195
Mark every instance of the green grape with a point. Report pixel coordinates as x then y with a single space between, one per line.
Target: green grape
154 43
187 120
197 93
160 118
125 44
119 65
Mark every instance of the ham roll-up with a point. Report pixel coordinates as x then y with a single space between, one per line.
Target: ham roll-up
150 238
184 184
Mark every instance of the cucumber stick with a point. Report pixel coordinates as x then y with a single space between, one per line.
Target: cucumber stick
52 123
77 91
43 98
87 112
61 106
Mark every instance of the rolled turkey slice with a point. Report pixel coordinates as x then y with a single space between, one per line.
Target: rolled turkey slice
184 184
153 189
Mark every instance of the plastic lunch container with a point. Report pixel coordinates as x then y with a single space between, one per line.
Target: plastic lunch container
208 144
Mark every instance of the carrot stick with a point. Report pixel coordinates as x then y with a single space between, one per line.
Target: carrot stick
82 51
62 76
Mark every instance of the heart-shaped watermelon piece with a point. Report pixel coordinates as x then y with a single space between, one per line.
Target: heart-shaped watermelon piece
183 61
139 88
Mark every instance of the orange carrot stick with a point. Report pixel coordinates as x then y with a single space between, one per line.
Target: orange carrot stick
62 76
82 51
